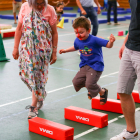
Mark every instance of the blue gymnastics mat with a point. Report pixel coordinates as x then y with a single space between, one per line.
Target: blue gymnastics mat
69 15
128 17
118 12
68 8
101 20
118 18
128 10
8 17
65 20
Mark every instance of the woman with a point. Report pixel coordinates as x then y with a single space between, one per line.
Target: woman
38 33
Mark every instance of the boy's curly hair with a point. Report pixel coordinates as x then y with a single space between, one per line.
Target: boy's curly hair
82 22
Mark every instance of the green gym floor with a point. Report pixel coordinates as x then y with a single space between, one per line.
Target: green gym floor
15 96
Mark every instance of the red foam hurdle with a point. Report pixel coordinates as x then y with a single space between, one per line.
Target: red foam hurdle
50 129
135 95
111 105
85 116
120 33
9 34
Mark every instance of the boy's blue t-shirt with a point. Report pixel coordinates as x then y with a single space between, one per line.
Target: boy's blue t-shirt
91 52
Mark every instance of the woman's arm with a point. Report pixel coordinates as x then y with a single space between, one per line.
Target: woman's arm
54 43
18 33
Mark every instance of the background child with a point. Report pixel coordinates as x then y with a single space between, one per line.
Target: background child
92 64
59 11
62 2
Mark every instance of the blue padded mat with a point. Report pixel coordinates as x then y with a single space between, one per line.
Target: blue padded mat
101 21
65 20
68 8
118 12
128 10
118 18
128 17
8 17
69 15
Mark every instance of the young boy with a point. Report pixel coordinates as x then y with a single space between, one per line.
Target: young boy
91 65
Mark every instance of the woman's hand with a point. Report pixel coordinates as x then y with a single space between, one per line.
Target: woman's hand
53 58
62 51
15 53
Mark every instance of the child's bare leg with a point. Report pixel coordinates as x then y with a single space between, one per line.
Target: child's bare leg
34 99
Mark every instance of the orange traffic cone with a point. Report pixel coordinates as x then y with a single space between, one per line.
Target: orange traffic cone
60 24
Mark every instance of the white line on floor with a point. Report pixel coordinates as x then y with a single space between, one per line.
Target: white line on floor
95 128
50 91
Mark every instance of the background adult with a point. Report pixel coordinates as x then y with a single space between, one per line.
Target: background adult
112 3
16 4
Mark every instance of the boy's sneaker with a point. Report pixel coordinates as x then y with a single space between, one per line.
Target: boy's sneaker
39 104
32 112
125 135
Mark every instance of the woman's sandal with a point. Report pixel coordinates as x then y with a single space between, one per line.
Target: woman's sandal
32 112
104 97
89 96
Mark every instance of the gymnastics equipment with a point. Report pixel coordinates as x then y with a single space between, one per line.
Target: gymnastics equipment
85 116
126 32
68 8
120 33
69 15
5 26
61 23
8 32
111 105
120 12
10 17
2 51
119 18
50 129
128 17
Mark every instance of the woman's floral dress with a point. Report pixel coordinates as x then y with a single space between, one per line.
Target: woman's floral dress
35 53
